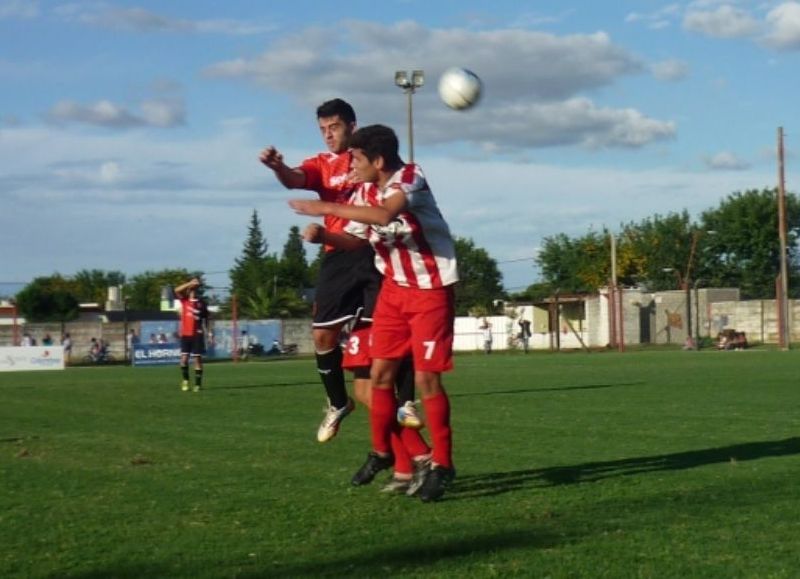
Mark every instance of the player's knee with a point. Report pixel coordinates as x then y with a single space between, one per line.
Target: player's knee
428 383
325 339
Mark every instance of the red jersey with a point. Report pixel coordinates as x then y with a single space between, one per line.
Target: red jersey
329 175
193 313
416 249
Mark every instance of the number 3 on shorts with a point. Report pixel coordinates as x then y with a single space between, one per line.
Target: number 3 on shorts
430 346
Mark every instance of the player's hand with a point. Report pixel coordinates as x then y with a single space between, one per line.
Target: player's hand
309 207
313 233
353 178
272 158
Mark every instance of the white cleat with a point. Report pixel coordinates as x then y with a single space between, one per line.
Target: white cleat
333 417
407 416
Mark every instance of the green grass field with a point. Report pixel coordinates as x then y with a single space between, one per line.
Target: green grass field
645 464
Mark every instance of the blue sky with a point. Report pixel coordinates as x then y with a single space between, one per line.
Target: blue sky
129 131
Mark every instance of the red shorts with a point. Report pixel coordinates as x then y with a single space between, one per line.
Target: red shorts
413 320
357 351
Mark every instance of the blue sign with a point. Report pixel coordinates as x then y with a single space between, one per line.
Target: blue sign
156 354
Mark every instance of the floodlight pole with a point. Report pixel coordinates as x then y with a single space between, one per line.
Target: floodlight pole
785 331
410 83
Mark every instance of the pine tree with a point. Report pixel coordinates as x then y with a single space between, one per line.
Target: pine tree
254 269
293 267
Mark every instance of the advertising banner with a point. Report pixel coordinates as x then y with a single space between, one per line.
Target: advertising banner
156 354
21 358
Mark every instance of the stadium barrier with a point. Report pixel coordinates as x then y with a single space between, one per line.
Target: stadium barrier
21 358
156 354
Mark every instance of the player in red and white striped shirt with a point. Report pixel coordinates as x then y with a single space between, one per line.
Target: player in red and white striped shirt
415 310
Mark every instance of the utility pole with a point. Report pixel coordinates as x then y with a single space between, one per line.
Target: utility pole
786 333
617 315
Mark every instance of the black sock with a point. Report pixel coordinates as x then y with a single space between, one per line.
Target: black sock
329 366
404 381
198 376
185 372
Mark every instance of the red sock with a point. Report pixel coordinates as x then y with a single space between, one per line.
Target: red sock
413 442
402 460
382 418
437 412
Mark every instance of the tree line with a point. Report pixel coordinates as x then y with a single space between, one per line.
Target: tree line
265 285
735 244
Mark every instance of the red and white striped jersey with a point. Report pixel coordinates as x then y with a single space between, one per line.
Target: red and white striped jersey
329 175
416 249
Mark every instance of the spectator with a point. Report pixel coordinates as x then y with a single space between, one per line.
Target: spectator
47 340
486 331
524 333
94 349
66 343
131 339
27 341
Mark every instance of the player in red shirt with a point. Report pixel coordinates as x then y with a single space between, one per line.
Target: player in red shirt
415 310
193 327
348 282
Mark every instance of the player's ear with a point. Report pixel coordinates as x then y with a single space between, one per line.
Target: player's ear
379 163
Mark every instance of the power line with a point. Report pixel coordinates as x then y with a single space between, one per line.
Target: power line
516 260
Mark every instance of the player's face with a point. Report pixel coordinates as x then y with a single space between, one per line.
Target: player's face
364 169
335 132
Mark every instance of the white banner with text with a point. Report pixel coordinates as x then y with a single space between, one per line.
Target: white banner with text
25 358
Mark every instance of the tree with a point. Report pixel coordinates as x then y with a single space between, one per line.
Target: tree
293 268
92 285
265 304
658 252
48 299
744 249
254 270
480 280
575 265
313 268
144 290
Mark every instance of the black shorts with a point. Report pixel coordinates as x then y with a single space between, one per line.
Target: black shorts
194 345
347 287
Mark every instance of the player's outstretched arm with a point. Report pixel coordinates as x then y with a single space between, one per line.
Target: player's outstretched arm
371 215
289 178
316 233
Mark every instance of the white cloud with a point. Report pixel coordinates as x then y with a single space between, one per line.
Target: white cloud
783 24
725 21
104 113
575 121
135 19
533 81
79 182
24 9
661 18
726 161
670 70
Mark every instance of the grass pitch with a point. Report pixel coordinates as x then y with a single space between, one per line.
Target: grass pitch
646 464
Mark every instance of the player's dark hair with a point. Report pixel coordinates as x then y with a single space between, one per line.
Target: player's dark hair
337 107
377 141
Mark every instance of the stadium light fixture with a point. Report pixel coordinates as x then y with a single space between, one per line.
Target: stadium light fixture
410 82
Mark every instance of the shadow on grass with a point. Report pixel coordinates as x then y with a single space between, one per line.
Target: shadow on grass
503 482
405 559
133 571
534 390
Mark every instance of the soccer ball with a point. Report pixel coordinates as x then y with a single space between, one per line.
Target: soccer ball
459 88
